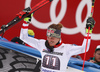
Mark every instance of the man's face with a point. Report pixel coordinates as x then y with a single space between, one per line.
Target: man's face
52 40
97 56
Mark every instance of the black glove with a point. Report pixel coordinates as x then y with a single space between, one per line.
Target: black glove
90 23
17 39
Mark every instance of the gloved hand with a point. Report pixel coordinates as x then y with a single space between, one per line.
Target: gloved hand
90 23
28 18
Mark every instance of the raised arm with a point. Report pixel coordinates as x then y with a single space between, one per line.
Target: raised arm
24 36
24 33
74 50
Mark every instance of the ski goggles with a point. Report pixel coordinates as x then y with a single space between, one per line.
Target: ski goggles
54 32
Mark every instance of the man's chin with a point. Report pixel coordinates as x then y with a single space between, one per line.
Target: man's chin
51 45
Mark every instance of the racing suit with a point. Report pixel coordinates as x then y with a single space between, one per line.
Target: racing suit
57 60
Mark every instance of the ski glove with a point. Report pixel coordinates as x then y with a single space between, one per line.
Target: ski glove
90 23
28 18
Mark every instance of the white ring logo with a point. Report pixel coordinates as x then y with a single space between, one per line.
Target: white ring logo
80 25
54 19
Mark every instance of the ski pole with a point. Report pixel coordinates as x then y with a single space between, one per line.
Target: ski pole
93 1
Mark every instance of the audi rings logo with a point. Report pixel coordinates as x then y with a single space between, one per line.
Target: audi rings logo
56 19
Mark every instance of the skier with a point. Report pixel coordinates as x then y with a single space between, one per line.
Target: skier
55 54
96 58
